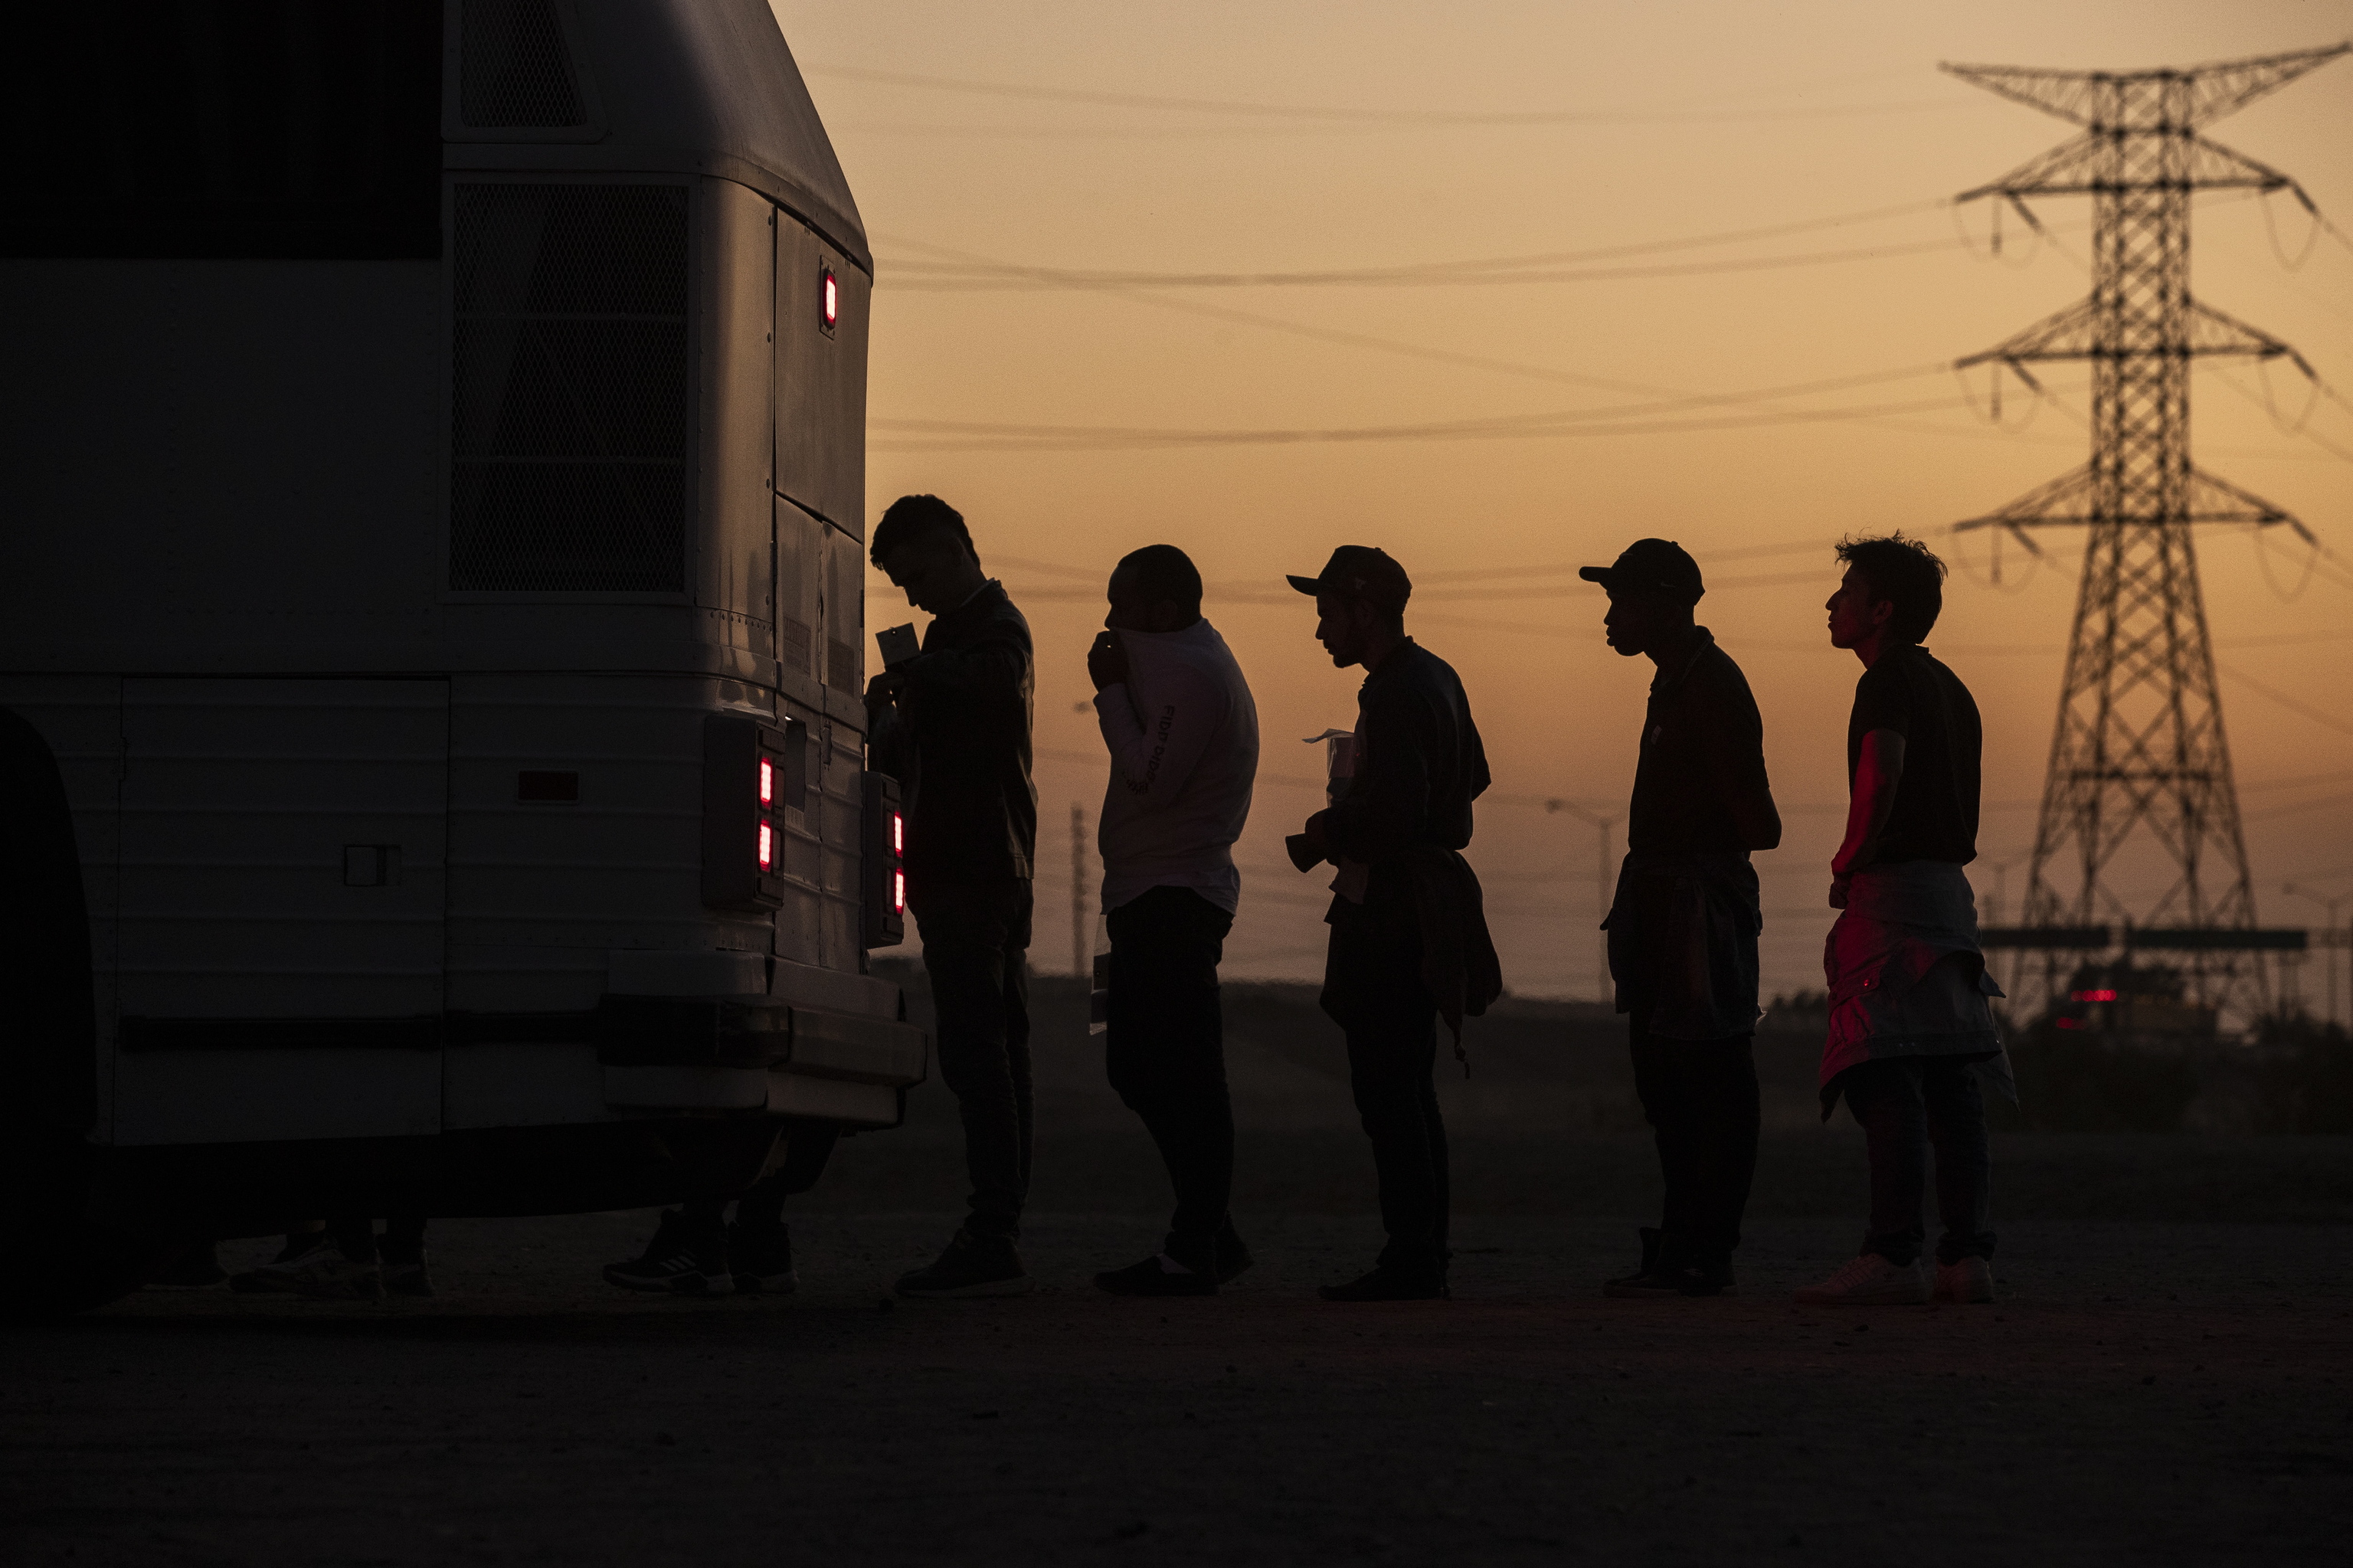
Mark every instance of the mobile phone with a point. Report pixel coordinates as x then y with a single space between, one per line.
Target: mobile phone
898 644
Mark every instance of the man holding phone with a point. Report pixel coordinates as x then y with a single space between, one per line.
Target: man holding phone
951 724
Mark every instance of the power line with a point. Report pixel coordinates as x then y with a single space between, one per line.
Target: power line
2271 811
941 277
1563 258
958 435
1424 117
2295 705
1668 404
1034 280
1434 355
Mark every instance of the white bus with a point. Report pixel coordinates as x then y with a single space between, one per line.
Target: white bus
432 558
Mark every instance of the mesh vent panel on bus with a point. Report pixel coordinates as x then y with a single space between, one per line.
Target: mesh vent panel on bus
570 394
513 71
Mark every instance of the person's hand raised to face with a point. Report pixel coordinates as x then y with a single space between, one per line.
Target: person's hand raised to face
1107 661
1133 608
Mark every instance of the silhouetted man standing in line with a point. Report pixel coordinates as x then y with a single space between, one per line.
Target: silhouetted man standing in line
951 724
1910 1020
1410 939
1682 926
1178 718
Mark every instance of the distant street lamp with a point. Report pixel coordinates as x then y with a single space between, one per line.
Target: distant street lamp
1603 885
2330 938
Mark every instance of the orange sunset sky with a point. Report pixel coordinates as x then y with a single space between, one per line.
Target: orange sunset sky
1459 412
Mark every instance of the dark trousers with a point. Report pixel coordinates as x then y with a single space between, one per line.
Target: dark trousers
1701 1098
975 948
403 1238
760 1206
1165 1051
1373 990
1907 1105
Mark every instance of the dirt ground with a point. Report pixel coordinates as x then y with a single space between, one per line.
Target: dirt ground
2169 1377
2174 1394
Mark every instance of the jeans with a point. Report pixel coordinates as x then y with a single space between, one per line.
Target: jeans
976 940
1701 1098
1373 990
1907 1103
1165 1051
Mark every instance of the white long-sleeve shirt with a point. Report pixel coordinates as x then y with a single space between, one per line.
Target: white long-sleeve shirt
1183 736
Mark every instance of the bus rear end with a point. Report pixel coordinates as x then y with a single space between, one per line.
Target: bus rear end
435 575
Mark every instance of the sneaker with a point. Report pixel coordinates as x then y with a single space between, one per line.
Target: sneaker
1158 1275
313 1264
409 1277
971 1266
760 1259
1234 1259
1660 1278
194 1267
1869 1280
1966 1282
1385 1284
684 1259
1646 1283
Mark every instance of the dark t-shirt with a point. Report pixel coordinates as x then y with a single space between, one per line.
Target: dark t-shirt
1702 749
958 742
1419 762
1935 811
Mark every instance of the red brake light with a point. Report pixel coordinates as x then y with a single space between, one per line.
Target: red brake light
898 834
2102 995
899 890
832 299
767 846
767 781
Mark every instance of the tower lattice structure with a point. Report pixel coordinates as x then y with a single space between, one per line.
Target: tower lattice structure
2139 780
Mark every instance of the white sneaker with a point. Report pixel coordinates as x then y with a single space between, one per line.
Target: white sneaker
1968 1283
1870 1280
314 1267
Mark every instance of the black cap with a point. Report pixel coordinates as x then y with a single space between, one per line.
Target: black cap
1360 571
1658 564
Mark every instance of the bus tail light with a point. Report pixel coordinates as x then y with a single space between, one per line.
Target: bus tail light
753 773
882 864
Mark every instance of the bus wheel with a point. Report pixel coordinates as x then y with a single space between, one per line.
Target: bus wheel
54 1259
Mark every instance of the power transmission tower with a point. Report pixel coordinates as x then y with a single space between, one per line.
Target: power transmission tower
2139 785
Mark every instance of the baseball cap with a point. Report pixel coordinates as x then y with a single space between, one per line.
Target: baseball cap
1651 563
1360 571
